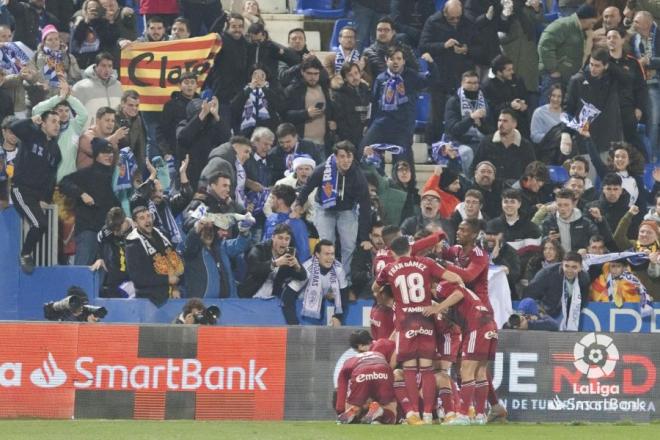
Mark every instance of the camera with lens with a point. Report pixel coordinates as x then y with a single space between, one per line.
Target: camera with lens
513 322
209 316
74 307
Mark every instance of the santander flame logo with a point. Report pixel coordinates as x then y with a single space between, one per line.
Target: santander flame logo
49 375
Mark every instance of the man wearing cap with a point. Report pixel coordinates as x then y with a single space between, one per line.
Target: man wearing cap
303 166
429 217
91 190
561 48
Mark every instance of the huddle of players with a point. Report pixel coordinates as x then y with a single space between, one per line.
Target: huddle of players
437 317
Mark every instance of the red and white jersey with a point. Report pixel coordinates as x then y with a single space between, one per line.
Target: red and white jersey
382 321
385 256
410 279
470 312
472 267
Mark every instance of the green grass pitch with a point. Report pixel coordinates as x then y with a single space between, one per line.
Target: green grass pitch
192 430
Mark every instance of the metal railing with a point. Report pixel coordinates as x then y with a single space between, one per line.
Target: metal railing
46 252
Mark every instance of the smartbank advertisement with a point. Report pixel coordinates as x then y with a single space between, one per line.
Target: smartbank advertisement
214 373
146 372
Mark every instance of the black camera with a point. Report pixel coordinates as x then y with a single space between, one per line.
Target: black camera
125 123
513 322
58 310
209 316
290 251
98 311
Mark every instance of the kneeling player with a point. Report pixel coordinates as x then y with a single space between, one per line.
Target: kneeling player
478 346
366 383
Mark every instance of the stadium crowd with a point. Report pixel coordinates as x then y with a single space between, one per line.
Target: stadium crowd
271 178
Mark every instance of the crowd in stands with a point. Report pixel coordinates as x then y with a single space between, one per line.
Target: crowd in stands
273 177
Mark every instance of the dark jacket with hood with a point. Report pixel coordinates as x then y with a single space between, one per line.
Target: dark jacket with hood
612 212
376 53
95 180
221 158
352 104
475 11
198 138
581 229
352 189
173 113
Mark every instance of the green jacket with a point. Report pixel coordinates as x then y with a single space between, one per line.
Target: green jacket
391 199
68 139
561 47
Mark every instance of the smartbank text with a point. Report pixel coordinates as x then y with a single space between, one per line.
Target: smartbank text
172 375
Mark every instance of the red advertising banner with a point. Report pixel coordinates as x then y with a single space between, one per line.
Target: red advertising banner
142 372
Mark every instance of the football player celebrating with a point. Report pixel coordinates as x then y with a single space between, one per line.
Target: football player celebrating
410 279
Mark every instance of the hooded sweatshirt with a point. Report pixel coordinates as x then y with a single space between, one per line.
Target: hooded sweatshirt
95 93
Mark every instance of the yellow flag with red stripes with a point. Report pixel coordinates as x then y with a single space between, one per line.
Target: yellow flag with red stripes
154 69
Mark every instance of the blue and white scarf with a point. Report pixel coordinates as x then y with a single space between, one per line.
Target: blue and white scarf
376 158
394 93
570 317
15 56
329 181
125 170
470 105
440 152
588 113
258 200
634 258
313 294
341 58
167 224
54 64
240 182
256 107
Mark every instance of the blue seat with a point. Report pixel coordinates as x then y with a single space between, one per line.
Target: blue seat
553 13
558 174
322 8
423 65
646 142
423 110
339 25
648 176
439 4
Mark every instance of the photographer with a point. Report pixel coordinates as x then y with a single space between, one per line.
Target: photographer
528 317
195 312
74 307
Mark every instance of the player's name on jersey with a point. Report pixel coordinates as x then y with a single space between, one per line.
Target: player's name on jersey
416 264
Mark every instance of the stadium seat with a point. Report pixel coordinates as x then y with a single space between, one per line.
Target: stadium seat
558 174
423 110
439 4
339 25
648 176
641 132
322 8
423 65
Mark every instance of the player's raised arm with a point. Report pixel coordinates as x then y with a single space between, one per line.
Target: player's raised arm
454 298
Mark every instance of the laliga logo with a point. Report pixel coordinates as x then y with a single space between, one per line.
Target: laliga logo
49 376
595 355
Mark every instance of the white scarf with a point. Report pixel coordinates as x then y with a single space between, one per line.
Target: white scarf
630 185
256 106
313 295
570 319
341 58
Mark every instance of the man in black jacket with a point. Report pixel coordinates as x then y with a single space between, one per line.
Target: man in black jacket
174 112
289 145
229 73
506 90
362 271
91 190
203 130
111 255
35 168
265 52
341 188
30 18
502 254
614 201
271 266
486 182
352 99
153 264
562 289
215 198
375 54
451 40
